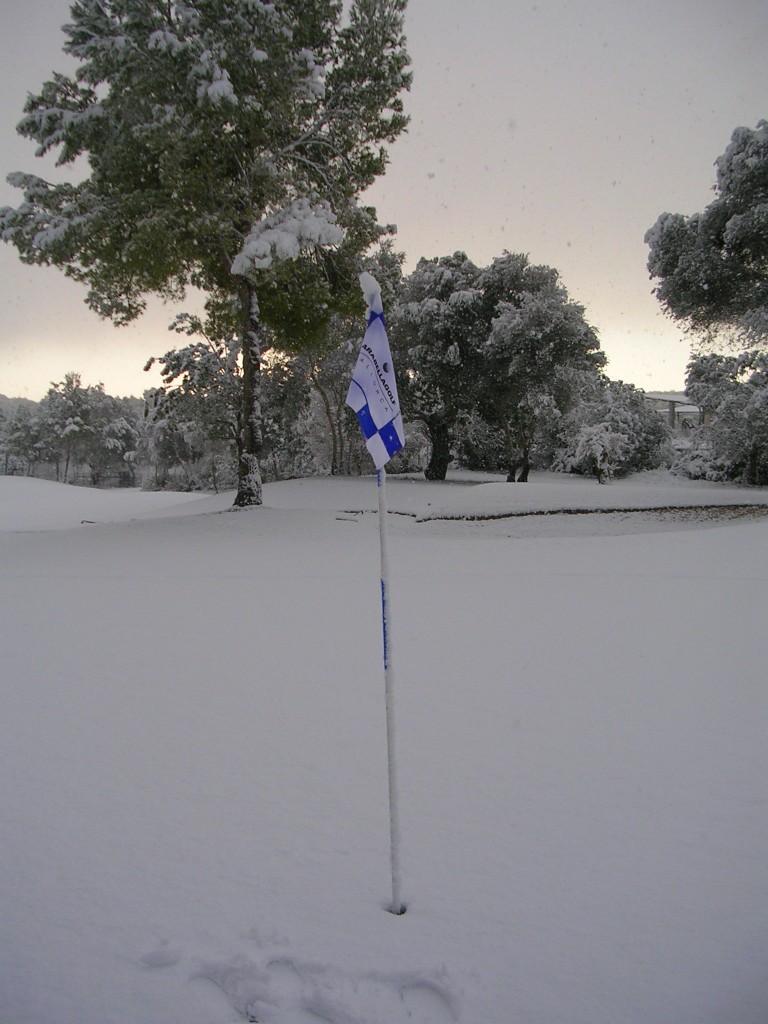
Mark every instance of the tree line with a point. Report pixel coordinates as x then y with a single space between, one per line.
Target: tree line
75 433
498 370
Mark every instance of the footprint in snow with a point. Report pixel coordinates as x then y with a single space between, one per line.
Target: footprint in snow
285 990
426 1003
162 956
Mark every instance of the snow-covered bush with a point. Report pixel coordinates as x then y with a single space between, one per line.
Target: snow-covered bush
732 443
612 431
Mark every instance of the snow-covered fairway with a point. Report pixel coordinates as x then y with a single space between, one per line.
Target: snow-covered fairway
193 755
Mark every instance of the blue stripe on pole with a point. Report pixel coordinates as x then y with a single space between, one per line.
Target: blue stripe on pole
384 625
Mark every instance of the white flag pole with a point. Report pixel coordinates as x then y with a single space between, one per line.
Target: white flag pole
389 696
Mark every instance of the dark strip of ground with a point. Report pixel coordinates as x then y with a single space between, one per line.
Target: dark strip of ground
691 513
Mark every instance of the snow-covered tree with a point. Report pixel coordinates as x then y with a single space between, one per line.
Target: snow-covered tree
112 450
436 330
732 391
81 427
227 141
712 267
536 332
487 349
65 413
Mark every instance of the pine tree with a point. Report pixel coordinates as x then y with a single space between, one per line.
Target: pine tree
228 141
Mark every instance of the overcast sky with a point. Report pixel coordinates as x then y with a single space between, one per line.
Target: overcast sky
561 129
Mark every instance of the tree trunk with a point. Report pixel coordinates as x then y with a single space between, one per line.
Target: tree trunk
526 434
340 430
440 459
513 459
335 459
248 470
518 454
754 474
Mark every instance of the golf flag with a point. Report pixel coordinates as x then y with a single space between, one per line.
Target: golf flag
373 391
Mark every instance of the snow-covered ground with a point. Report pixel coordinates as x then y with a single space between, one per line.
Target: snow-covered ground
193 754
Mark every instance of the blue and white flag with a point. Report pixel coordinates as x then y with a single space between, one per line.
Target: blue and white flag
373 391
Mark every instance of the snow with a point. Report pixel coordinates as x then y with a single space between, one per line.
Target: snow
286 234
220 89
194 806
165 39
371 292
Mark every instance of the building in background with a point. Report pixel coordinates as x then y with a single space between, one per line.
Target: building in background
681 414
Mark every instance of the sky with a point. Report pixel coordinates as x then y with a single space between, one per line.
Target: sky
555 128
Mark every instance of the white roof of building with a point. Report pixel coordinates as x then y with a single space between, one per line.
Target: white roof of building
681 400
669 396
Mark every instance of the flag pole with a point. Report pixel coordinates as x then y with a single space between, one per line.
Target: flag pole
373 397
389 700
